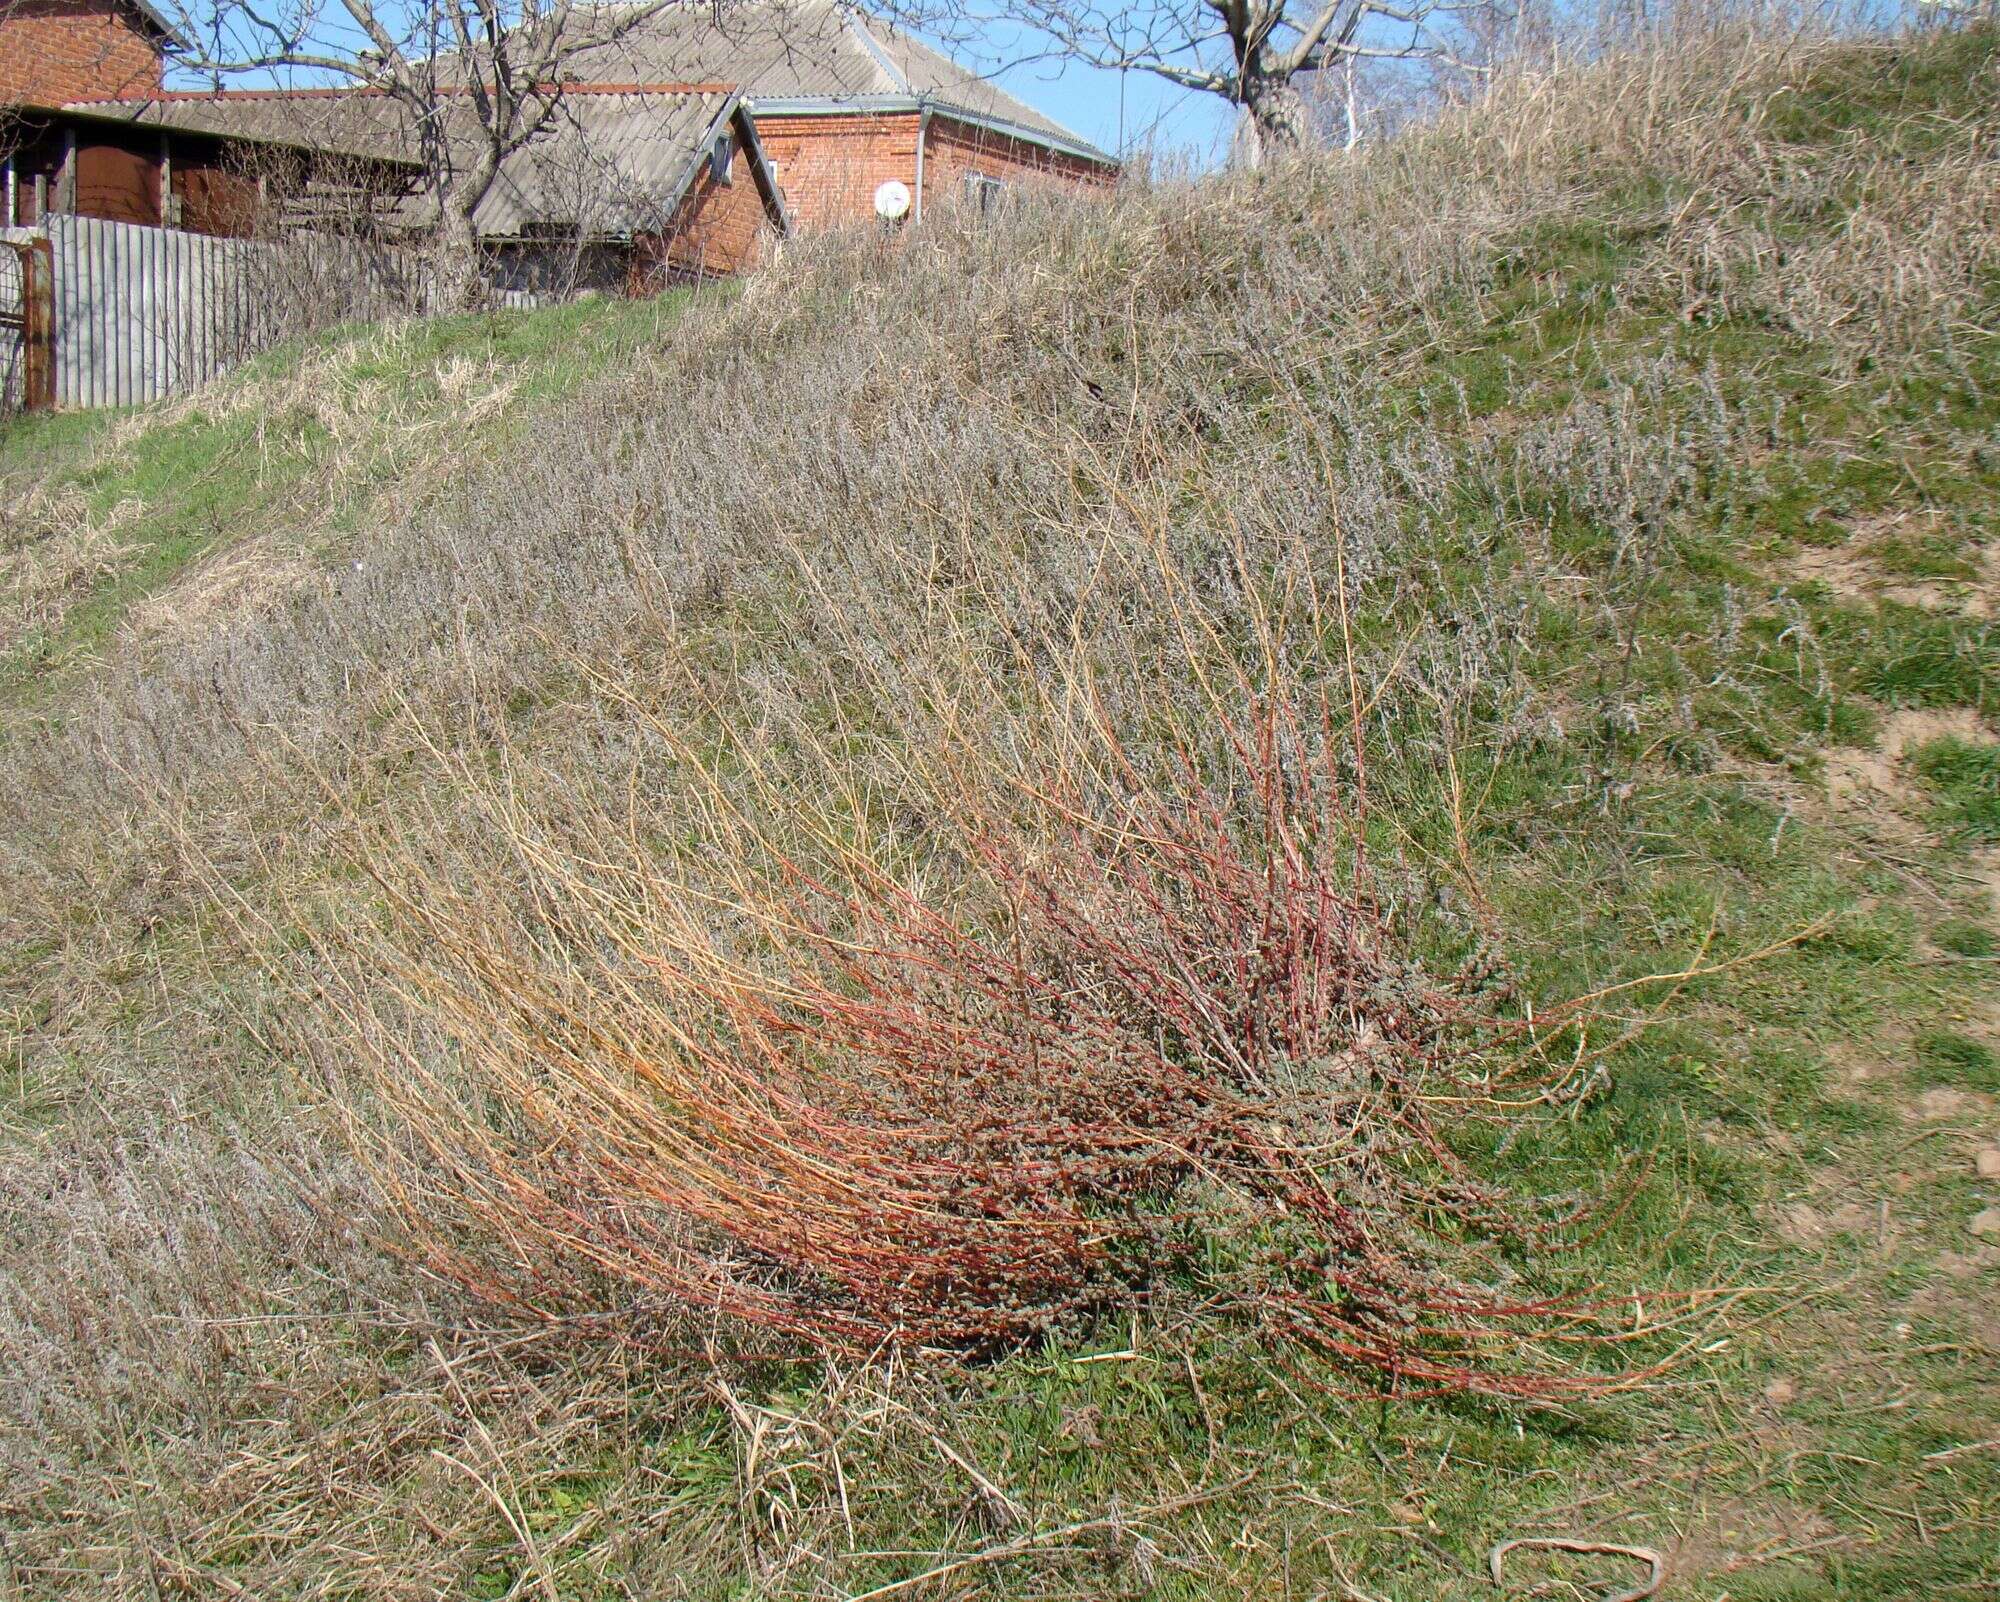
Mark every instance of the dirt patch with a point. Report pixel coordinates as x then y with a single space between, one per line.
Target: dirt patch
1803 1224
1983 868
1969 1263
1859 570
1878 787
1943 1103
1963 1302
1744 1536
1857 780
1856 1070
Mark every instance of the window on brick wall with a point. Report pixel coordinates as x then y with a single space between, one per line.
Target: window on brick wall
984 194
722 159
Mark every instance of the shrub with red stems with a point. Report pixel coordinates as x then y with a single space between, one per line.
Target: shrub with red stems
1169 1044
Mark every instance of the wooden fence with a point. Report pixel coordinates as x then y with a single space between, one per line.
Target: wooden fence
27 372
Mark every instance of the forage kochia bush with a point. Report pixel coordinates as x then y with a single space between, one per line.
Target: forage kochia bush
1169 1044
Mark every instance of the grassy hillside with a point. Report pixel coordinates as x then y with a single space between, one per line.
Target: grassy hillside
423 749
244 487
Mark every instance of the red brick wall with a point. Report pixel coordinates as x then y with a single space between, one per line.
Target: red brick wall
952 150
829 167
718 230
52 51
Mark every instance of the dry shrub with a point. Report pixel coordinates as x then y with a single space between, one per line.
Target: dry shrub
1136 1026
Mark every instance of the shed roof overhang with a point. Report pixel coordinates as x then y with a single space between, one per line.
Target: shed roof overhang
893 105
153 114
157 19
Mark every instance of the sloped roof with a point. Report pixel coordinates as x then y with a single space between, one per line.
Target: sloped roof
614 164
785 52
781 47
616 158
350 122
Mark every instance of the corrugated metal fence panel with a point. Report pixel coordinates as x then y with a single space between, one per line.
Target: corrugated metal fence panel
142 313
145 312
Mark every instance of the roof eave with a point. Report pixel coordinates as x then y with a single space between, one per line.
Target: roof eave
173 36
1069 145
105 114
767 184
861 105
692 170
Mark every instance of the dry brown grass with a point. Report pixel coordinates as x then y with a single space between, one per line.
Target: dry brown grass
822 589
950 1055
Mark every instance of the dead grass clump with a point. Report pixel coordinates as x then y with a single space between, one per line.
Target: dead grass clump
55 550
1151 1036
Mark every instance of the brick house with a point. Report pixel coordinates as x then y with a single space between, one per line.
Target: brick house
846 103
52 51
677 151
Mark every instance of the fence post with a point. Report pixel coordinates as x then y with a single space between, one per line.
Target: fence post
38 348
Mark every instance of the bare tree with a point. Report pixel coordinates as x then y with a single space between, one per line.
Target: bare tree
1252 53
470 81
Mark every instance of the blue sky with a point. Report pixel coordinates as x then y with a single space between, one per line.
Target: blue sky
1119 112
1118 116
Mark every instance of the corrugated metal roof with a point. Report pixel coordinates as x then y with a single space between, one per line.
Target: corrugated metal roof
613 165
344 123
935 76
776 47
785 51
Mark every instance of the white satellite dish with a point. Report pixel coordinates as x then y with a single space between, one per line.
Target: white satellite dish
892 200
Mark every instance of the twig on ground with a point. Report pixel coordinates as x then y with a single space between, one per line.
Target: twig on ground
1497 1558
1041 1539
1959 1451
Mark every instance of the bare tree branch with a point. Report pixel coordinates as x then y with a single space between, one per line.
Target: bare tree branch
1249 52
476 80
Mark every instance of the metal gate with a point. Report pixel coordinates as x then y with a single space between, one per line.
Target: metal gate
27 357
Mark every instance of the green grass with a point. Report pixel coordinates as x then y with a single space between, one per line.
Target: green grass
1964 938
1966 779
377 428
1933 557
1660 812
1948 1058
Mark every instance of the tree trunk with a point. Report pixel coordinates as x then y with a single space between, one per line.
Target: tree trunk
460 285
1274 122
